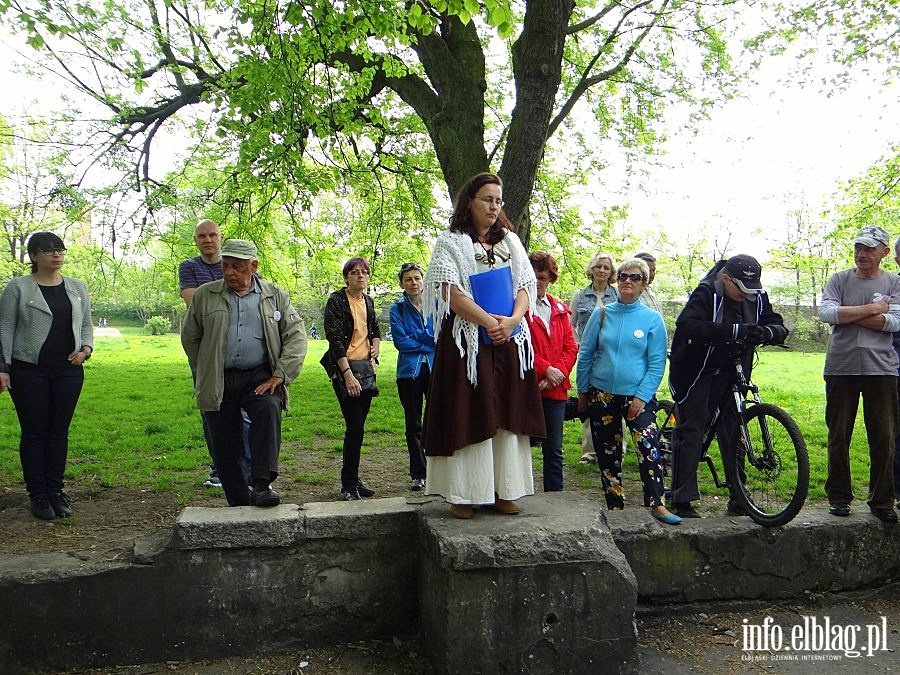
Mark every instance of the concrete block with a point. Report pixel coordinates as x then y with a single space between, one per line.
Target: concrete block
238 527
545 591
732 557
366 518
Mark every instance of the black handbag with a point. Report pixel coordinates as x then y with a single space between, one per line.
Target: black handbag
364 372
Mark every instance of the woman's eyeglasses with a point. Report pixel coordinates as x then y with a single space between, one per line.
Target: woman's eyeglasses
634 278
52 251
492 200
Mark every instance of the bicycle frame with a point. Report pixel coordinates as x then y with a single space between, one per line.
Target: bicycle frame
745 393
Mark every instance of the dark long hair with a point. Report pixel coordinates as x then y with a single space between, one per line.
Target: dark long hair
461 220
39 241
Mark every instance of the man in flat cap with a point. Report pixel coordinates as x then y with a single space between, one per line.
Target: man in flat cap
246 343
728 310
863 307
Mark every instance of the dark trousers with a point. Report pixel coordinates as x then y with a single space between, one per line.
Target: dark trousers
45 398
897 454
606 413
693 413
226 427
355 409
245 434
879 396
551 447
411 391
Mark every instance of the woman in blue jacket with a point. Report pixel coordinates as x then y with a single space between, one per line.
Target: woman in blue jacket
621 361
414 339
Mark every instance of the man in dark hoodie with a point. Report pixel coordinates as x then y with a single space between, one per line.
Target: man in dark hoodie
729 309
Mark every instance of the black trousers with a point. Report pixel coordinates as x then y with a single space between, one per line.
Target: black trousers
693 413
355 409
45 398
411 391
226 428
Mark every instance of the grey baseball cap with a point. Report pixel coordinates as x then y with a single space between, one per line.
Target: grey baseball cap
239 248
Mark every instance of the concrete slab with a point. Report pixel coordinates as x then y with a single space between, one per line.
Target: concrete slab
238 527
732 557
365 518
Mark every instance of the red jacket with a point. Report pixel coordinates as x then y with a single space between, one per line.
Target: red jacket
557 349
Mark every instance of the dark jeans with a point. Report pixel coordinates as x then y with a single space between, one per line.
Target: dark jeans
45 398
226 427
411 391
551 447
355 409
693 413
879 395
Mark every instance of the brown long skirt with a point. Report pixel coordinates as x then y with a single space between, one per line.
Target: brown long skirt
458 414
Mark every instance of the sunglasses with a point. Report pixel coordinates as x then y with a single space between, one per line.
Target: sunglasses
630 277
406 267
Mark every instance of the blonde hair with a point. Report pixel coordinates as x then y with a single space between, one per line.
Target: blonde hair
597 258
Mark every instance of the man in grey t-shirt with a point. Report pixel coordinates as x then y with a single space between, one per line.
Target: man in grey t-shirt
863 306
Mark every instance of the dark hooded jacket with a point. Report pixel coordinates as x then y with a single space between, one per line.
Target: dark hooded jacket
704 332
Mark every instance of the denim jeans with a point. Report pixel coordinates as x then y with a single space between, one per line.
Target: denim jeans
551 447
45 398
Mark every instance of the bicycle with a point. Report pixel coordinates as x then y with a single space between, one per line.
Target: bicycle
772 463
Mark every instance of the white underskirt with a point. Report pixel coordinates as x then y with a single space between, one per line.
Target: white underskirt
473 474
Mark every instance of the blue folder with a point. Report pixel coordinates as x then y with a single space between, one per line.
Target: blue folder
493 292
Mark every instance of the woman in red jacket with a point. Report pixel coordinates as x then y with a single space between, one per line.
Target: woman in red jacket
555 353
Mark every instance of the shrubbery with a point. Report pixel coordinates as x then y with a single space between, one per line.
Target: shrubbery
158 325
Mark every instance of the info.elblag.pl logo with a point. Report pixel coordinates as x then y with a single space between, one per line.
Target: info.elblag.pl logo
813 639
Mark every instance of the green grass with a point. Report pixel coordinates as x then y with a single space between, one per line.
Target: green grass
136 424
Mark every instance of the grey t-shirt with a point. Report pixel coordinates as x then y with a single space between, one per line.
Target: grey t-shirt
852 349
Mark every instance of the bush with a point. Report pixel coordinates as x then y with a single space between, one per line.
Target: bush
158 325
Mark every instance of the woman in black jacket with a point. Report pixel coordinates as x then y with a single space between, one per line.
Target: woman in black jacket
353 335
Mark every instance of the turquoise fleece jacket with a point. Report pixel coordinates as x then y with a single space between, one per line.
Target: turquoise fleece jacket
626 357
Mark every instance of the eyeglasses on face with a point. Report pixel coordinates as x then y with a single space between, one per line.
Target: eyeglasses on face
359 273
492 200
634 278
52 251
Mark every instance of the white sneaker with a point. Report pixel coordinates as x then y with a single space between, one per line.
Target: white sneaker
588 458
212 481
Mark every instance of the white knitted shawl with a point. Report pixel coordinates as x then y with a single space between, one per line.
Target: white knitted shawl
453 262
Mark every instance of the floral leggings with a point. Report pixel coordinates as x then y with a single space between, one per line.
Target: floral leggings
606 414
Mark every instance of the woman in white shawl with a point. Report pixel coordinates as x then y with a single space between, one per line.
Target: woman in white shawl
484 403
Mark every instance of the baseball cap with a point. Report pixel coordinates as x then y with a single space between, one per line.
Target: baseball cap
871 236
239 248
746 272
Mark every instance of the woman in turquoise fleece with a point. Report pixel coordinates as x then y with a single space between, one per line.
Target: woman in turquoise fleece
621 361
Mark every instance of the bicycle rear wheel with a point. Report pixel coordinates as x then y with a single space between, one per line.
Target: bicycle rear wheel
772 466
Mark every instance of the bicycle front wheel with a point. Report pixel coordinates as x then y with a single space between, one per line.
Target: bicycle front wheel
772 466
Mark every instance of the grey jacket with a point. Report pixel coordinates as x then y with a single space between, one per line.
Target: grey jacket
204 333
25 319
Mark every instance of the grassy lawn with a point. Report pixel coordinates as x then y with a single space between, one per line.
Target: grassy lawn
136 425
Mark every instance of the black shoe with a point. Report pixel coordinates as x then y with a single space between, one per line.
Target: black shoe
264 497
684 510
364 491
733 508
417 484
350 495
40 508
841 510
59 502
885 515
